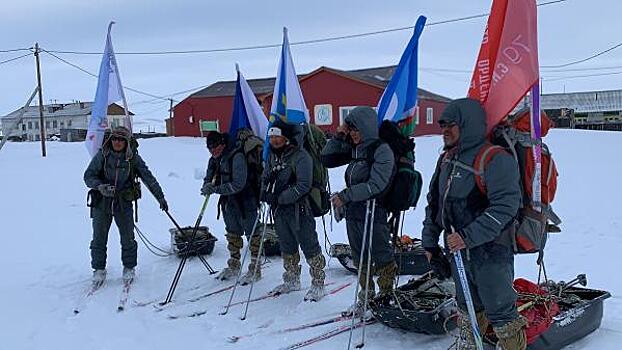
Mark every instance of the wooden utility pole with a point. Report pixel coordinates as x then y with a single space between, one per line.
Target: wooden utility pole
41 122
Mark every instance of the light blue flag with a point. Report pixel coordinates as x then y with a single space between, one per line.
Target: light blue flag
109 90
288 104
287 101
399 99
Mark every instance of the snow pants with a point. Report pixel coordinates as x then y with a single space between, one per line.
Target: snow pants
295 226
102 219
490 271
238 222
381 250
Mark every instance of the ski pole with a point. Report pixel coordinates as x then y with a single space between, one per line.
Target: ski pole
360 268
182 263
261 240
248 247
369 245
464 283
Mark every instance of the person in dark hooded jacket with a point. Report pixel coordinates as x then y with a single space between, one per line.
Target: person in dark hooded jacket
287 181
476 223
110 175
228 166
365 181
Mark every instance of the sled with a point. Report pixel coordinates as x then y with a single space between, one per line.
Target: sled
423 305
411 261
203 243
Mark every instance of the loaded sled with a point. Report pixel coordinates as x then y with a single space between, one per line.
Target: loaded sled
409 256
558 313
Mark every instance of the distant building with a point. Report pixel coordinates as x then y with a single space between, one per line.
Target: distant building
592 110
69 121
329 95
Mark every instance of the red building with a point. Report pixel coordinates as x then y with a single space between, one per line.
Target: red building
329 94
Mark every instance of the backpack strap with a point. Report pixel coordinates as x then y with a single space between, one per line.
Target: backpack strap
483 158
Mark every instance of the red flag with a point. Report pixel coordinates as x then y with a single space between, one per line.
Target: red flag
507 65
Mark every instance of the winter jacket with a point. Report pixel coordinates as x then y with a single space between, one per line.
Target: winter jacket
363 180
291 172
231 169
454 200
118 169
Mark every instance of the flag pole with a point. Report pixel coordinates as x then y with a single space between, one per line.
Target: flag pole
113 58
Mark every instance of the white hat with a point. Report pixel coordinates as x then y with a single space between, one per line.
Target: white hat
274 131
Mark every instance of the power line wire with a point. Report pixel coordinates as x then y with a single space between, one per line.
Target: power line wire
16 58
95 76
16 50
585 59
305 42
582 76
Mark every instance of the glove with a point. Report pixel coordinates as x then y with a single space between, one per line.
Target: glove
208 189
163 204
270 198
106 190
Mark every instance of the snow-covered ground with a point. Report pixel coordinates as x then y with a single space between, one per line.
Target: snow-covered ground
44 255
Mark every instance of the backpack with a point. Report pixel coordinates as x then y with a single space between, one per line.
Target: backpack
252 148
404 188
319 199
529 232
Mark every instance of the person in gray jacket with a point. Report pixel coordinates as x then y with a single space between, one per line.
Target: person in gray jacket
476 223
353 145
227 175
286 184
111 175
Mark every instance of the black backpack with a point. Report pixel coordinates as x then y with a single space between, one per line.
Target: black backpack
404 189
252 148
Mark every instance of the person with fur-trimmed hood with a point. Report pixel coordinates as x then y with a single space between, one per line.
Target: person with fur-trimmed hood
365 181
476 223
228 166
111 177
287 181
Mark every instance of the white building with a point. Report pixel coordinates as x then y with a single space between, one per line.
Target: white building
57 116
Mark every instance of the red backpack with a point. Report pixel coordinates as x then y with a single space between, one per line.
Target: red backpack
529 234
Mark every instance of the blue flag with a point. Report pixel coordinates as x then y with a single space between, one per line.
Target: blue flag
288 104
247 112
399 99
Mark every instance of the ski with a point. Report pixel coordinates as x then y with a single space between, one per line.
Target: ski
203 296
327 335
95 286
125 292
323 322
262 297
153 301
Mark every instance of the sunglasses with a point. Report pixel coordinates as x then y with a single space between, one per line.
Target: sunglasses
117 138
445 124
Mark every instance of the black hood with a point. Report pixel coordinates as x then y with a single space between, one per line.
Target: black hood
471 119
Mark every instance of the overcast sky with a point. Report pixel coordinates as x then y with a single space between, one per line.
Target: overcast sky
568 31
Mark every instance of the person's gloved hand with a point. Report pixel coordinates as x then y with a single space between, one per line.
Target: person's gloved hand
163 204
438 262
270 198
106 190
208 189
